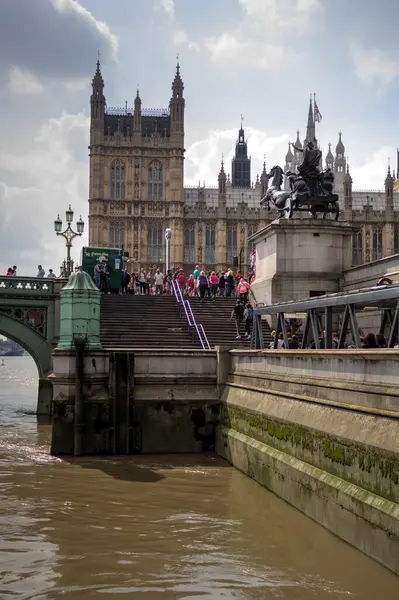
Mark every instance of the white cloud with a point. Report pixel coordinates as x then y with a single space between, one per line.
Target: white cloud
373 64
181 38
53 176
22 82
167 6
371 174
281 13
261 40
77 85
73 6
202 158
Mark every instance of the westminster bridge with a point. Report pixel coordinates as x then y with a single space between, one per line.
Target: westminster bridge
30 316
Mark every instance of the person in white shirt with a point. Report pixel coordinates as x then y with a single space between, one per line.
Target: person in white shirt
159 279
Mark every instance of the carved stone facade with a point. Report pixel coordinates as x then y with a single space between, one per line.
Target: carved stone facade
137 190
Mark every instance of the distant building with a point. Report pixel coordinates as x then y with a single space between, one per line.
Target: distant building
137 190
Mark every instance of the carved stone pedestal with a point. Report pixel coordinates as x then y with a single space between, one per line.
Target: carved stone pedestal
299 258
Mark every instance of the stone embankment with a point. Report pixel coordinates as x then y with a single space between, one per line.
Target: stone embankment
321 430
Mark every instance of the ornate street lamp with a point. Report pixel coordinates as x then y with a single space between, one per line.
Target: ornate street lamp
168 235
69 234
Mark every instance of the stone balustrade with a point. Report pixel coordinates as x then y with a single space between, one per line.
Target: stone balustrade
26 286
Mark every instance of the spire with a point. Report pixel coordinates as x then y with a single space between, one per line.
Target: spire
264 179
177 85
298 142
98 81
329 158
389 191
137 100
289 157
348 177
97 98
222 181
222 174
241 163
340 148
310 127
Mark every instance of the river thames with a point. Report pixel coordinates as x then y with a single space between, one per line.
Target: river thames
154 527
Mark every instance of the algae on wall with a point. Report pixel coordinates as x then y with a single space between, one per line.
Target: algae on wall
372 469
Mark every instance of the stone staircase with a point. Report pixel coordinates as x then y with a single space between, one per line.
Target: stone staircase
215 316
133 321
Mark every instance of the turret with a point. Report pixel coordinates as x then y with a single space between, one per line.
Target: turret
389 181
289 159
340 160
137 113
176 104
330 158
348 195
222 183
264 181
97 105
241 164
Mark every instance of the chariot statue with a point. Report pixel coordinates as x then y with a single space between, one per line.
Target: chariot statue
310 189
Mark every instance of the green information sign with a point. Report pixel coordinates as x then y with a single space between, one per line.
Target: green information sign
93 256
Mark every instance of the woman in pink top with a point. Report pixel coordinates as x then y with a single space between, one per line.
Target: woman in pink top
243 290
214 283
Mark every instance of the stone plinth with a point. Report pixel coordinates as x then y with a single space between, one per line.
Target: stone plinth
80 312
299 258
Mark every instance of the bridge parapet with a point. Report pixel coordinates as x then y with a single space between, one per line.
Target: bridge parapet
27 286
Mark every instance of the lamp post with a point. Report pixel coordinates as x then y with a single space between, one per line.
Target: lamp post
241 259
168 235
68 234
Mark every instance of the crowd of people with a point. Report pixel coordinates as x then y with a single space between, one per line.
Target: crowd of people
199 283
368 341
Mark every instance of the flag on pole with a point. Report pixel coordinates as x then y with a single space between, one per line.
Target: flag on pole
317 114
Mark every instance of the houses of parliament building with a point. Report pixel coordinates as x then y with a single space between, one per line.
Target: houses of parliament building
137 190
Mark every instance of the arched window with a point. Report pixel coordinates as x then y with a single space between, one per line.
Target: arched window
377 244
116 234
396 241
232 246
210 245
357 248
189 244
154 243
117 182
155 175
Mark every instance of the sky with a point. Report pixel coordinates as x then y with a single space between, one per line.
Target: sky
257 58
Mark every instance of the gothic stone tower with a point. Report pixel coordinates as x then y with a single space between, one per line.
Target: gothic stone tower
136 176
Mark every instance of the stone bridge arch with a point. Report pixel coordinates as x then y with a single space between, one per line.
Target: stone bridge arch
30 340
29 315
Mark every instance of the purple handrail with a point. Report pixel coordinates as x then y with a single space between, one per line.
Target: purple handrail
190 316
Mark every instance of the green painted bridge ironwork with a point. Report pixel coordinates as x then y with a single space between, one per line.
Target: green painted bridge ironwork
29 315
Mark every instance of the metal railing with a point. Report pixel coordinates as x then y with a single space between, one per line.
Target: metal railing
191 321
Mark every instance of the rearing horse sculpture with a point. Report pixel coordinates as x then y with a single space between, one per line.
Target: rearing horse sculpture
281 200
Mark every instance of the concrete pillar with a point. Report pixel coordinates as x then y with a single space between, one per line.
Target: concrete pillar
80 318
45 396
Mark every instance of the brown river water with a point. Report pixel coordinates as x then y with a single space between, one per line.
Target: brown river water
154 527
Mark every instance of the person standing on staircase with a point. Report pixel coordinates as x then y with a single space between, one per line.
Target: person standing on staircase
159 282
196 274
243 290
203 284
249 319
229 283
214 284
222 284
237 315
